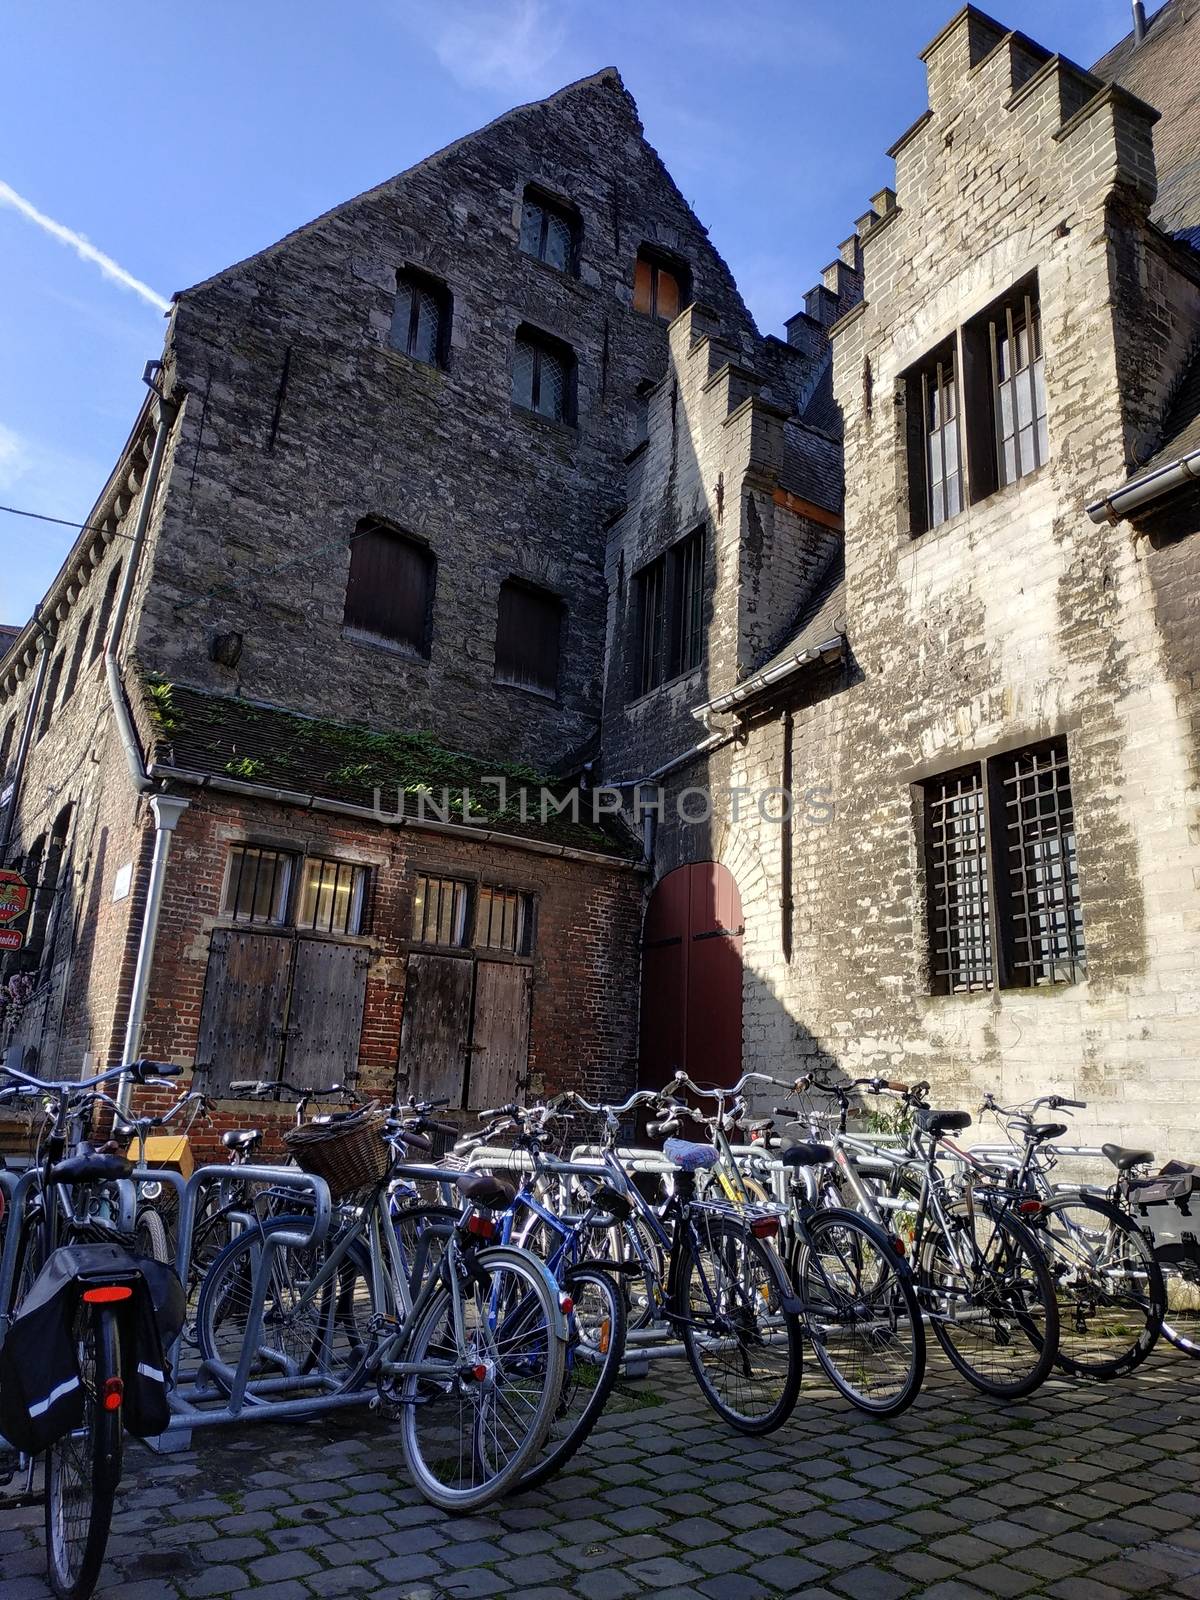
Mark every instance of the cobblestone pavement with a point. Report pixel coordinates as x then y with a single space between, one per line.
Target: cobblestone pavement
1084 1492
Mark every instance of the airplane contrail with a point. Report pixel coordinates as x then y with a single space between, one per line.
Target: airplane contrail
81 246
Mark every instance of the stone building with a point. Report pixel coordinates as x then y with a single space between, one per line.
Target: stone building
882 632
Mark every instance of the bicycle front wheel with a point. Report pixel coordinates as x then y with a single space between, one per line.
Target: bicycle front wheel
1111 1298
990 1297
740 1335
83 1468
489 1342
860 1312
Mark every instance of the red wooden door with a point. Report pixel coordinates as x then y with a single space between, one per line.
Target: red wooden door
691 1013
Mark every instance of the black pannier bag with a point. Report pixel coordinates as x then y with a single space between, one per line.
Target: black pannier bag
41 1395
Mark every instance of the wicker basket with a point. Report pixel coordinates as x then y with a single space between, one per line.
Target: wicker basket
349 1154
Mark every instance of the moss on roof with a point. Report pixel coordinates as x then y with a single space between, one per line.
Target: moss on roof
228 737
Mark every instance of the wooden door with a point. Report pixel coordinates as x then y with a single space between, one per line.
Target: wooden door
436 1028
500 1038
329 991
242 1015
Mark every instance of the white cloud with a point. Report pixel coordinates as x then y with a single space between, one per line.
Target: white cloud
505 45
14 458
82 247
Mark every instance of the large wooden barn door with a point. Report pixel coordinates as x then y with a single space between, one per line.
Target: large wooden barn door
436 1029
691 1002
500 1043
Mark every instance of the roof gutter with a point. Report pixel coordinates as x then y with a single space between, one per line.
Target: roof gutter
1131 497
833 649
345 808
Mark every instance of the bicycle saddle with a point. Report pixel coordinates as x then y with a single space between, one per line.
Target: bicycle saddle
806 1155
942 1121
689 1156
1123 1159
1042 1131
485 1190
241 1138
90 1166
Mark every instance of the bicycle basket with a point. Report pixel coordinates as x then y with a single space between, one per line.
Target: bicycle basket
349 1154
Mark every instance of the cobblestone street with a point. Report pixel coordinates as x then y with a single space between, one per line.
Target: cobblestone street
1082 1493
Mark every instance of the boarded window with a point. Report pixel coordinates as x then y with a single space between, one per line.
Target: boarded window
659 285
50 693
256 884
1002 875
543 376
528 635
389 593
81 639
504 920
332 896
440 907
549 231
106 610
421 318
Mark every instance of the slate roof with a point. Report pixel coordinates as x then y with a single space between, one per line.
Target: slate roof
274 748
823 617
812 466
1164 70
1181 423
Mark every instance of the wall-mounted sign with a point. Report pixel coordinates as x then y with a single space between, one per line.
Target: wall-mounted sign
15 895
122 881
11 938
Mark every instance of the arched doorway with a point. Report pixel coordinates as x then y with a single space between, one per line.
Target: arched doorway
691 1014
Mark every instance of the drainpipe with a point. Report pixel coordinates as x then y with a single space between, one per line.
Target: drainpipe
168 809
786 904
35 700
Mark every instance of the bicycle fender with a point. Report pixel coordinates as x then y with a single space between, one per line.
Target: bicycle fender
503 1254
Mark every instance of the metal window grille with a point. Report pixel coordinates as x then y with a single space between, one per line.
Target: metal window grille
959 896
503 920
256 885
440 911
943 470
547 234
1019 386
1047 941
689 568
417 320
651 590
332 894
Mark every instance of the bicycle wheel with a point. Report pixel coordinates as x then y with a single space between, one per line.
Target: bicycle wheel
740 1337
323 1337
422 1233
468 1437
83 1468
1180 1266
860 1312
1111 1297
632 1244
990 1297
595 1350
150 1235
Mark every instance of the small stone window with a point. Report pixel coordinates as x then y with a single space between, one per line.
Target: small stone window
50 694
389 592
669 596
687 564
549 231
421 318
935 483
661 284
332 895
529 626
1002 879
504 920
257 882
81 639
543 375
649 587
440 911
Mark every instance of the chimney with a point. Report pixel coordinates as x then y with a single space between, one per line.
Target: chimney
1139 22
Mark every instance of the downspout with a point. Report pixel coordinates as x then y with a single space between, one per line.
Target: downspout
168 809
31 711
785 838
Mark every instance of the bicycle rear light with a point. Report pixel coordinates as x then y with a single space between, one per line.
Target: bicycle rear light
1030 1208
567 1304
897 1244
112 1394
481 1227
108 1294
764 1227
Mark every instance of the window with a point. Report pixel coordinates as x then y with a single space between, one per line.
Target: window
543 375
660 285
1002 875
1017 387
669 594
256 884
421 318
440 908
504 920
50 694
528 633
81 639
389 593
332 894
549 231
106 607
935 467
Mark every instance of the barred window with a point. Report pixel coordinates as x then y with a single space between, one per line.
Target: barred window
543 376
1002 874
440 907
256 884
549 231
504 920
332 895
421 318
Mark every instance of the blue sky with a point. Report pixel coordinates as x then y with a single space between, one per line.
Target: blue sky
180 138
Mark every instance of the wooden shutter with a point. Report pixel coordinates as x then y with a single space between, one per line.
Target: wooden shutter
528 628
242 1013
389 588
500 1043
329 989
436 1026
643 287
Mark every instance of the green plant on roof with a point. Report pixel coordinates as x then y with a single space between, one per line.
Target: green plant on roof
245 767
162 708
